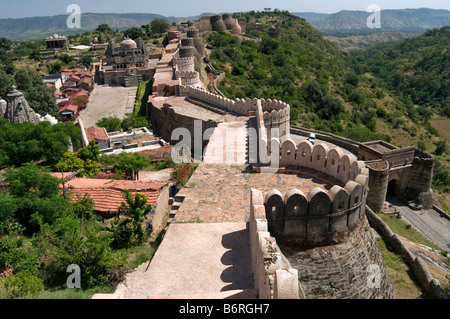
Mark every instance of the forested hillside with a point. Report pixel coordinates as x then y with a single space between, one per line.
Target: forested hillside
326 88
390 92
417 69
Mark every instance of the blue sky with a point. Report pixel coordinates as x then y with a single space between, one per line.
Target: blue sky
182 8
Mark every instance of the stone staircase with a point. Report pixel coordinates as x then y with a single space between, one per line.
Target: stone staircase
208 106
132 80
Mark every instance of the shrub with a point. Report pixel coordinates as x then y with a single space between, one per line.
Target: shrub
441 147
22 285
81 242
126 228
182 172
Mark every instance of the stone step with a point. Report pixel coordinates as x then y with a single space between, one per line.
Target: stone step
179 198
230 294
176 206
172 214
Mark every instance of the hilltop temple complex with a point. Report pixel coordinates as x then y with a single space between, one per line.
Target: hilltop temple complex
126 64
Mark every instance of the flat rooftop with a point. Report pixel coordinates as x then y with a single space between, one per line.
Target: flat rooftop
380 146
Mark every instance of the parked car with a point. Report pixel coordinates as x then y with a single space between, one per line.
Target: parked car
312 138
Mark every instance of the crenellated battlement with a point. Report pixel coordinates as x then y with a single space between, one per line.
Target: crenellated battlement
184 64
275 114
319 217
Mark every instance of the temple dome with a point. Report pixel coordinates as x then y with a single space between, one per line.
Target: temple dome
128 44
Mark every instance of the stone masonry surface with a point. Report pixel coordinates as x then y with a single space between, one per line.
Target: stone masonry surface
340 271
221 193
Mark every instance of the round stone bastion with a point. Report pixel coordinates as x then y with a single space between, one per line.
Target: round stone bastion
325 234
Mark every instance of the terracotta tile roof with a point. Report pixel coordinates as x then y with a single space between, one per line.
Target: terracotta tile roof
108 194
82 92
85 80
71 107
109 200
159 153
95 133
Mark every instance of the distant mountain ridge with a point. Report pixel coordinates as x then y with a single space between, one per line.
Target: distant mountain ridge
37 28
405 20
399 20
311 16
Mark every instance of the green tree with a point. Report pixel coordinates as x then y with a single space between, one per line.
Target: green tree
25 142
22 285
86 60
127 228
8 208
111 124
37 195
159 26
441 147
134 121
6 82
133 33
104 28
85 160
38 96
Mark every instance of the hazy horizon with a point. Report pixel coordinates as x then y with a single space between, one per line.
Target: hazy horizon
178 8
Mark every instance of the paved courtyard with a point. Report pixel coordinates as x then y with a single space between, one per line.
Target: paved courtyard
108 101
221 193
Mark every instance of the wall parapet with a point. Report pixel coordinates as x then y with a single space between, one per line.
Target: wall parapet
274 278
429 284
318 218
350 145
319 157
275 111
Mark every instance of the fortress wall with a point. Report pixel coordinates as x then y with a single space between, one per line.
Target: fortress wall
188 78
184 64
343 271
350 145
276 113
317 218
378 184
165 120
273 276
400 157
217 23
332 162
419 177
420 269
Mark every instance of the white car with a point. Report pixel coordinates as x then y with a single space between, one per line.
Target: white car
312 138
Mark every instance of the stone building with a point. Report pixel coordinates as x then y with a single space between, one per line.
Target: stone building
126 64
16 109
56 43
406 173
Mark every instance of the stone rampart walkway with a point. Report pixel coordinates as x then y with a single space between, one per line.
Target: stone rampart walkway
194 260
205 252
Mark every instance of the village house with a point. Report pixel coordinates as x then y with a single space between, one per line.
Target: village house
99 136
108 194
